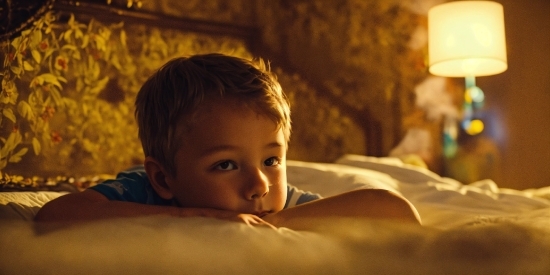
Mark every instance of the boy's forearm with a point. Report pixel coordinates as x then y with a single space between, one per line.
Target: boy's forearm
70 208
365 203
75 207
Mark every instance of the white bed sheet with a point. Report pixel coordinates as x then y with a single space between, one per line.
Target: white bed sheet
446 203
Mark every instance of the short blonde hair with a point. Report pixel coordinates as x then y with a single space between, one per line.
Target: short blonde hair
178 88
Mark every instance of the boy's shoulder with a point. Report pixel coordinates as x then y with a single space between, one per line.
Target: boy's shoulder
296 196
131 185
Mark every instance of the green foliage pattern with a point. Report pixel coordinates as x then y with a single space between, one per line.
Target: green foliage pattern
68 88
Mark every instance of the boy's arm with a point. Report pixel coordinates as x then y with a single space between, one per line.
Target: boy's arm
92 205
364 203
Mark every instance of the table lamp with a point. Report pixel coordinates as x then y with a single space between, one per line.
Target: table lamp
466 39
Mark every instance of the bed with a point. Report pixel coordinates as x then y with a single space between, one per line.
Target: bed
349 115
477 228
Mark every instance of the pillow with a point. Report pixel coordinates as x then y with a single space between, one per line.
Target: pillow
328 179
395 168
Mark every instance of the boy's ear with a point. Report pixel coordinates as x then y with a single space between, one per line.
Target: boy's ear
158 177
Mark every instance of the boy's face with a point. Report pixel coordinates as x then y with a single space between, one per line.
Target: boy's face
231 159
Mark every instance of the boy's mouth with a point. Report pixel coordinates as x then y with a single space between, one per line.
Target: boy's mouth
262 213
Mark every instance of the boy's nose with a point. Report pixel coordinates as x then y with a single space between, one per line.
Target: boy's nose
258 185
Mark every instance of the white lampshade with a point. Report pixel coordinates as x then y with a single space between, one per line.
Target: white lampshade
466 38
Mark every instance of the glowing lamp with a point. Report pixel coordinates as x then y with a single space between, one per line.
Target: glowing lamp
466 38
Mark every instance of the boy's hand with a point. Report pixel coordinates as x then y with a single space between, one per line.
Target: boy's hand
249 219
253 220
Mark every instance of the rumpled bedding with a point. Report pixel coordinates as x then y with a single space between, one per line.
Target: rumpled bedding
475 228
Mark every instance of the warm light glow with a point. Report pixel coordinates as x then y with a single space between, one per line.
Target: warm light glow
466 38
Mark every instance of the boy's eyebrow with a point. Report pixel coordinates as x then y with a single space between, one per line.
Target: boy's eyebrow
227 147
274 145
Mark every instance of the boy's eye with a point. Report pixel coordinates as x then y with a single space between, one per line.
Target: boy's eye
271 161
226 165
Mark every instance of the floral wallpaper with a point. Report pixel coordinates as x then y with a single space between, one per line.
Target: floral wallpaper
68 90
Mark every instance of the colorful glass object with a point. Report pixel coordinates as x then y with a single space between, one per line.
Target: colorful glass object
473 103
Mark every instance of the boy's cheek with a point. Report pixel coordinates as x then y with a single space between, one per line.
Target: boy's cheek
283 186
280 195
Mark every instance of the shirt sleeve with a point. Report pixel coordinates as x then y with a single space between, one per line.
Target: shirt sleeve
296 196
131 185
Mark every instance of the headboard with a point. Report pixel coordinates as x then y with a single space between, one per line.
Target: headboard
349 69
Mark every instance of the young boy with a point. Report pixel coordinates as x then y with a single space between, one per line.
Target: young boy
215 131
